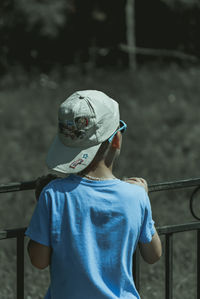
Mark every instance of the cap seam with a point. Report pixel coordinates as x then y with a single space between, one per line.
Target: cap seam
87 99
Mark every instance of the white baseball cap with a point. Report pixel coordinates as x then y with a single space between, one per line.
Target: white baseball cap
85 120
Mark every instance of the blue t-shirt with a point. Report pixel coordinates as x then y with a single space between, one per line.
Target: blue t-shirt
93 228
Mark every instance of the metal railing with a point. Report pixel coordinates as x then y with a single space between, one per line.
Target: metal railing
19 235
168 231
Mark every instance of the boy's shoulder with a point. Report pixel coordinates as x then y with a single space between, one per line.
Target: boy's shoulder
135 187
55 185
59 182
135 191
123 187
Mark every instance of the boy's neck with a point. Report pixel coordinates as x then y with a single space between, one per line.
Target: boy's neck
101 171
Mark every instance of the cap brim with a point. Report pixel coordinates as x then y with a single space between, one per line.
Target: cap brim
67 159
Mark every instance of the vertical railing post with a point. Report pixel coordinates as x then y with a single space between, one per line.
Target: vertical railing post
169 266
20 266
136 269
198 263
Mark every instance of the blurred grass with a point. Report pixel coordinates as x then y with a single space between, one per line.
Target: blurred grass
161 107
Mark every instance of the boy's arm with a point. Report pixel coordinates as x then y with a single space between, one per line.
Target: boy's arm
40 255
151 252
39 248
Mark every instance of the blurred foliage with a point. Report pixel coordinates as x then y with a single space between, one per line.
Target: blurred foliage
41 34
49 16
169 25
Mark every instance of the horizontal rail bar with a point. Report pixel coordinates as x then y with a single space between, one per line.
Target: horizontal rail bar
12 233
178 228
3 234
12 187
30 185
174 185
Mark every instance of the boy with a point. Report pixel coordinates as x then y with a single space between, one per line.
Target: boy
86 226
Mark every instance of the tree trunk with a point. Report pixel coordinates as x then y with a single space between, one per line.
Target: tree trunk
130 32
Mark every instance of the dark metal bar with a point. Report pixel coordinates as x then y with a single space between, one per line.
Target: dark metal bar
14 233
20 266
169 267
30 185
3 234
174 185
13 187
198 263
136 268
178 228
17 233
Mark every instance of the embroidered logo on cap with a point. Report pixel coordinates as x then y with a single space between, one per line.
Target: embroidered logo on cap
75 163
74 128
81 122
79 161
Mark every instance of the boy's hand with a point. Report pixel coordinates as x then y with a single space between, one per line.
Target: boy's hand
42 182
138 181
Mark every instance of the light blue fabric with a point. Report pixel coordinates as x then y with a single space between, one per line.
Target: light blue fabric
93 228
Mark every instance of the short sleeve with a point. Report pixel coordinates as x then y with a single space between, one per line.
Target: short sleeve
147 229
39 227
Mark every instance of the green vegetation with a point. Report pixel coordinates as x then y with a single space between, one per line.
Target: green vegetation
42 34
161 108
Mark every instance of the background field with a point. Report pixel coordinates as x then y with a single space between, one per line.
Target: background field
161 107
